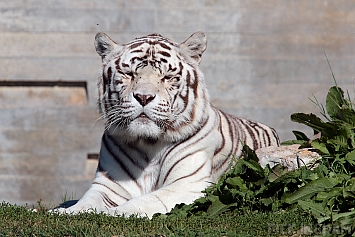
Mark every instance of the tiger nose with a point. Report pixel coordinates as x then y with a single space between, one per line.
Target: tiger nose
144 99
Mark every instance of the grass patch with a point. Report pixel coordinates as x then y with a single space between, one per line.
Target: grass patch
19 221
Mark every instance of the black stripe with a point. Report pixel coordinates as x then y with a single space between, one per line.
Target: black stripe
164 46
104 172
232 130
171 69
194 85
136 40
134 161
186 98
254 126
217 167
141 152
166 54
125 65
203 178
113 190
132 60
267 140
189 175
162 161
104 83
136 44
117 159
165 156
117 63
184 148
235 147
166 208
107 200
177 162
276 136
221 132
109 74
251 134
137 51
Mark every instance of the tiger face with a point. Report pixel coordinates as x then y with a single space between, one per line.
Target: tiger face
151 88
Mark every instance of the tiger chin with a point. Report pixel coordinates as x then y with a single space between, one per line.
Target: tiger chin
163 141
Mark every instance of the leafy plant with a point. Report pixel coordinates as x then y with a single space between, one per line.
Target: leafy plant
246 186
336 144
327 191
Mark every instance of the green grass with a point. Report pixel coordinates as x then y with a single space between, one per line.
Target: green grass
19 221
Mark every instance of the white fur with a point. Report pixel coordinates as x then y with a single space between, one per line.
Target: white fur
150 163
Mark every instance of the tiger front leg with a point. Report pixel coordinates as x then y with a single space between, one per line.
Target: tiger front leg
99 198
91 202
183 182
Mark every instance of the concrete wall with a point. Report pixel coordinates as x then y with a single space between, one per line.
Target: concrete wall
263 61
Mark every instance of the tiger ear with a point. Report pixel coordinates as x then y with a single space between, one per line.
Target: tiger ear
195 45
104 45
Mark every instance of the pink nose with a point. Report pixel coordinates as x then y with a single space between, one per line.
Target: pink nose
144 99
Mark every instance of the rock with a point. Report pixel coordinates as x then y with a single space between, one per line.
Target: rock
289 156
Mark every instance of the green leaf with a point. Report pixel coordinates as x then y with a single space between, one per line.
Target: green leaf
322 147
276 172
266 201
306 174
311 120
334 192
317 209
249 154
321 170
334 101
311 189
346 115
216 208
300 136
351 185
289 177
254 165
349 190
291 142
237 182
350 157
346 218
313 176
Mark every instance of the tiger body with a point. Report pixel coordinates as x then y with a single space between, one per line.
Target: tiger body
163 142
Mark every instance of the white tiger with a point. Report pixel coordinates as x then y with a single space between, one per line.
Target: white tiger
163 142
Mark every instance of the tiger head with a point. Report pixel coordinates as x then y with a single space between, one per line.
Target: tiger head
151 88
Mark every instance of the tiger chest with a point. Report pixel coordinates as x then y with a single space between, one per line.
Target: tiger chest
148 180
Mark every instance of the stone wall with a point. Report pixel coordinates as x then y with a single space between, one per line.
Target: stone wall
263 61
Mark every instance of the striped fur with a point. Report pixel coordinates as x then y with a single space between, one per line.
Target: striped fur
163 142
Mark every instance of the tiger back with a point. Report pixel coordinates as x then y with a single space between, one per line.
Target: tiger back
163 142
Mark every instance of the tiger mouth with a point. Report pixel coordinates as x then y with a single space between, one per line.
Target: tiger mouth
144 118
142 115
